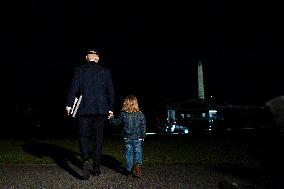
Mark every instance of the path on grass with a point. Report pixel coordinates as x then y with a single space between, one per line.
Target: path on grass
170 177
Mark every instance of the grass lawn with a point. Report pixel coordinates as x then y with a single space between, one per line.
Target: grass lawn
157 150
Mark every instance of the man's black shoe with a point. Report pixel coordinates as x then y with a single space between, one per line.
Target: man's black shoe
128 174
97 172
86 170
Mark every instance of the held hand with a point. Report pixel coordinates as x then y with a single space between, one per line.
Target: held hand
110 114
68 110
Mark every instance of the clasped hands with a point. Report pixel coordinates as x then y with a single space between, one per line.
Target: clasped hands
110 114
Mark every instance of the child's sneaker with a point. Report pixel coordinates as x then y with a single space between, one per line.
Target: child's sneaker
137 170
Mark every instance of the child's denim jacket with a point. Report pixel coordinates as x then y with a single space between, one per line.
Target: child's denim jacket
134 125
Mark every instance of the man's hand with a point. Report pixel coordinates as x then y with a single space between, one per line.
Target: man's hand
110 114
68 110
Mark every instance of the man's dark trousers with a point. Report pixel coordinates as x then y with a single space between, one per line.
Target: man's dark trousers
91 126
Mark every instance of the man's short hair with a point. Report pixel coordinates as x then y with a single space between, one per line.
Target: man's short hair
92 51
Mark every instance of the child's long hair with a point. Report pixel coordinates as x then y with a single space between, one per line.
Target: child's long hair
130 104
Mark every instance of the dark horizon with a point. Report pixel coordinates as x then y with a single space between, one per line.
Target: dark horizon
239 84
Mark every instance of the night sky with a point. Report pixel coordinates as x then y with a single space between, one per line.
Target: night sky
151 48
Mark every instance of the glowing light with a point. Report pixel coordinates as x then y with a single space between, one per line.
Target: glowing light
173 128
151 133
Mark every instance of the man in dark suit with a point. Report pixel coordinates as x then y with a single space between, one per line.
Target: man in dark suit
94 83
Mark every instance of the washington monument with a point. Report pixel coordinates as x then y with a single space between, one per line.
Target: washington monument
200 81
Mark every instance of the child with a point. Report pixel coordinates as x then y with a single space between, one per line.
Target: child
134 132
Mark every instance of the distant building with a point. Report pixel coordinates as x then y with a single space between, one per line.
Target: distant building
198 115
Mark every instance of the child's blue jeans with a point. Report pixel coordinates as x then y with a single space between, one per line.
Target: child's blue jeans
133 151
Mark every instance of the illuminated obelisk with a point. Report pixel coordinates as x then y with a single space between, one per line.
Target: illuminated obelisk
200 81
